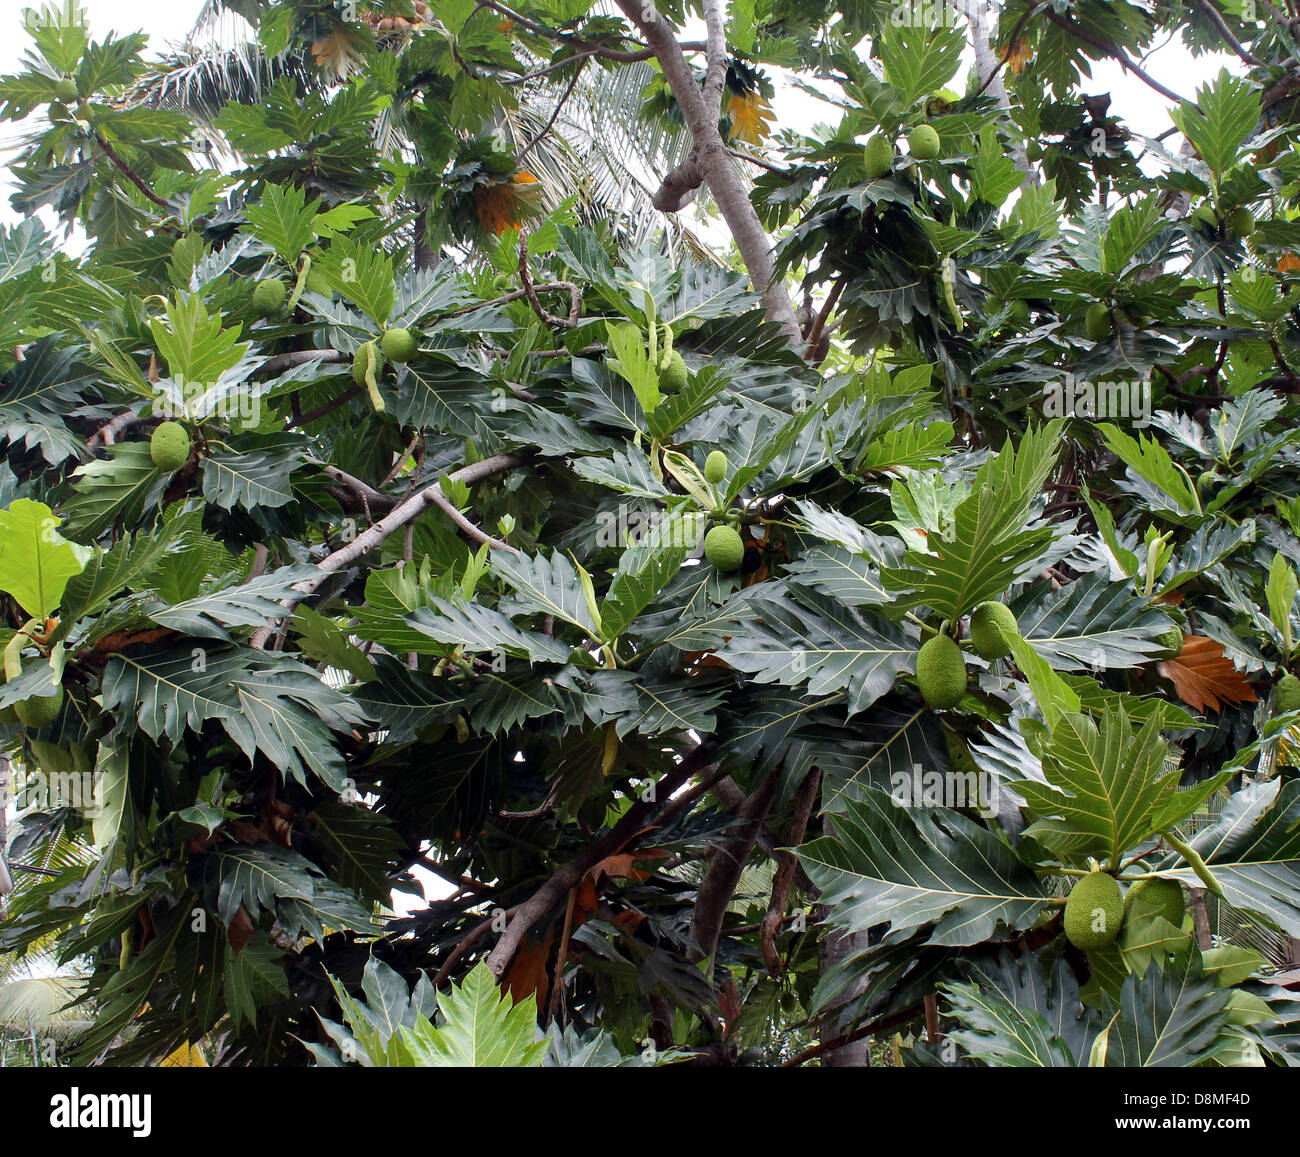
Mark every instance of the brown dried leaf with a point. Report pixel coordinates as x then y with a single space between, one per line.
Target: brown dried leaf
1204 677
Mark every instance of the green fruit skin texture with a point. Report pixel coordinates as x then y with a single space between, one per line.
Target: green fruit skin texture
715 466
723 548
878 156
1019 312
400 345
169 446
1171 643
359 363
1242 222
990 628
66 90
941 672
923 141
1097 323
1287 693
40 710
269 296
1097 891
673 376
1158 898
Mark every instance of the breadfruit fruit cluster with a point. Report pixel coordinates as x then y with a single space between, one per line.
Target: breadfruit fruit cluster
1286 695
923 143
878 156
169 446
992 627
724 548
715 467
1097 323
66 89
1094 911
1170 643
1155 898
941 672
269 296
40 710
400 345
673 376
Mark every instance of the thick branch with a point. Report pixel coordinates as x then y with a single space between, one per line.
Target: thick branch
723 872
724 181
397 518
784 877
546 897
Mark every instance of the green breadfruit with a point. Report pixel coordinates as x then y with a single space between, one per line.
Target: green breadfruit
923 143
1094 911
66 89
673 376
723 548
1242 222
1170 643
941 672
40 710
1019 312
1205 480
400 345
1286 695
364 351
879 156
1098 323
169 446
269 296
991 628
715 466
1156 898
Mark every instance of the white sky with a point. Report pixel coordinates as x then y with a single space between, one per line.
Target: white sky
168 21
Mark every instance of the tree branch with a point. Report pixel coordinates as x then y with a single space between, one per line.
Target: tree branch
784 877
1217 20
722 875
397 518
546 897
443 503
128 172
1114 52
724 181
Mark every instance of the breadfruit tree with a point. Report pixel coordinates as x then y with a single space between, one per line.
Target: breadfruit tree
868 635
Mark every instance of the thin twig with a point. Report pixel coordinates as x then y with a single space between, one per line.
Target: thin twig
550 124
530 291
128 172
1011 44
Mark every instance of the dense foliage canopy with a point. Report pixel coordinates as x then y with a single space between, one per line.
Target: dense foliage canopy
413 578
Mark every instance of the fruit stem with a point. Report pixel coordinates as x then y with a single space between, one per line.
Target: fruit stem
299 284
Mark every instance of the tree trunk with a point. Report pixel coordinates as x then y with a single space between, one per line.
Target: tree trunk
983 17
830 951
701 110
